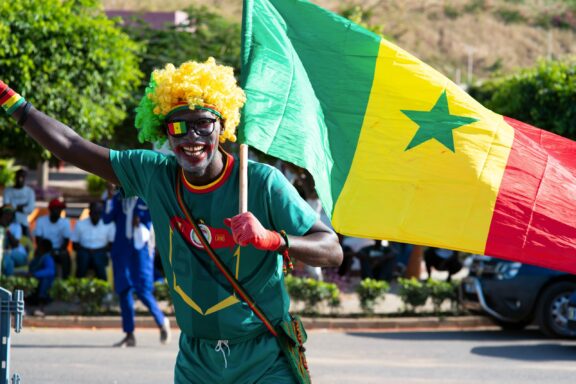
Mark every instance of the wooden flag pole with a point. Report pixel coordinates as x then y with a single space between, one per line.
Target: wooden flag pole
243 206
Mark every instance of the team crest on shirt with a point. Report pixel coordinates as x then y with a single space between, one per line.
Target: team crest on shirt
207 235
216 237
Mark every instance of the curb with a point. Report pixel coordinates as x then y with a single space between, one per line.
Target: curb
401 323
341 324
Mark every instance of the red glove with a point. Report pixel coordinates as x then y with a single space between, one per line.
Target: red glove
246 229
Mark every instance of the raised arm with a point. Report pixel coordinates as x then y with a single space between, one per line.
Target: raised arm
58 138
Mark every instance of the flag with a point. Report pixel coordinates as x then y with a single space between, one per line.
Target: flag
396 149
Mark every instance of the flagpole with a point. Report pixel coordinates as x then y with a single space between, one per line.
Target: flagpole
243 206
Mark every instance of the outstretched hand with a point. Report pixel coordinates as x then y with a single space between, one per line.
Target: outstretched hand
246 229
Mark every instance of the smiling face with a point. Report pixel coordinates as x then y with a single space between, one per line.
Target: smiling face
197 155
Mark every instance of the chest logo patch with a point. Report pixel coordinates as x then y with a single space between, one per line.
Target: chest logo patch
216 237
194 237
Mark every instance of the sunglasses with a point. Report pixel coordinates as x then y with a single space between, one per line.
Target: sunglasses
203 126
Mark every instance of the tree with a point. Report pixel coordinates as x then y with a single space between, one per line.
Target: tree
542 96
207 34
70 61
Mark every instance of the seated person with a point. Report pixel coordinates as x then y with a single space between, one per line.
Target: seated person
56 229
351 246
92 240
42 267
378 261
442 260
14 253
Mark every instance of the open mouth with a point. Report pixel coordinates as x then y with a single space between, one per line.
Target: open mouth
194 152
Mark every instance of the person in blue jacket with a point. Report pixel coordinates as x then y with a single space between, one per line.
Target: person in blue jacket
43 268
132 263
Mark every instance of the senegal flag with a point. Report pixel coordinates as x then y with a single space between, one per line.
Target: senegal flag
397 150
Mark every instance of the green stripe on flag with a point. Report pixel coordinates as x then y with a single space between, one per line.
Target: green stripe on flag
308 75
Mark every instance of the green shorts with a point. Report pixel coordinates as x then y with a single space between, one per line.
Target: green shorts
256 360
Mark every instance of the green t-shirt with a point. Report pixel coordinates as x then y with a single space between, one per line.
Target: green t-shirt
204 308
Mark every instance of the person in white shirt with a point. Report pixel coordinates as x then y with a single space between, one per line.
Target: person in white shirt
92 240
14 253
57 230
22 198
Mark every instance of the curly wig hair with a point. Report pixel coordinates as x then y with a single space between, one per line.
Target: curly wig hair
198 85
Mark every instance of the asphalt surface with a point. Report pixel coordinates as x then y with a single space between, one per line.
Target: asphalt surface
85 356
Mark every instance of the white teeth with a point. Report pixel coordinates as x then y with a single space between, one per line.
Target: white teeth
193 150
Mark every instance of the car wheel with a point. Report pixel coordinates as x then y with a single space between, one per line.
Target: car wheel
552 309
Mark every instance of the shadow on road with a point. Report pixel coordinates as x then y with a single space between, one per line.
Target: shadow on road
540 352
454 335
66 346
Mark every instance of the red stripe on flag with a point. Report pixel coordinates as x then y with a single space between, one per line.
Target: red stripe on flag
534 217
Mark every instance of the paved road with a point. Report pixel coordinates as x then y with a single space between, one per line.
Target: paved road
83 356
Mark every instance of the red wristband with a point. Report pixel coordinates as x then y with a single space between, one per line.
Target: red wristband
3 86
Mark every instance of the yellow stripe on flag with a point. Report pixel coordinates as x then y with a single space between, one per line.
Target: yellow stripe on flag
438 196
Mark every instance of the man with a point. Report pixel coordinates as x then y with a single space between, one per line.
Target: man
42 267
55 228
91 240
196 106
442 260
15 254
377 261
22 198
132 263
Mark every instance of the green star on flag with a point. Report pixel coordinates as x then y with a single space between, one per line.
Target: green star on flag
437 124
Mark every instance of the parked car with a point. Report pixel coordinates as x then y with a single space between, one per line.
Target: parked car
516 295
572 312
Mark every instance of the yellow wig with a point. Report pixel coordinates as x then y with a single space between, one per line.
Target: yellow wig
198 85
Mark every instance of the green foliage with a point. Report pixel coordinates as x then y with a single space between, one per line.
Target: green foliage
475 6
89 293
294 287
162 292
361 16
63 290
333 300
369 292
312 292
71 62
413 293
7 172
96 184
441 291
208 34
510 16
542 96
451 11
12 283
